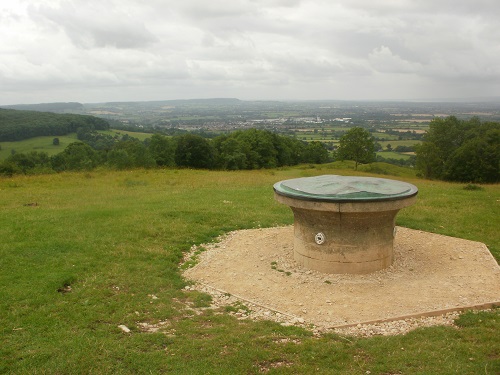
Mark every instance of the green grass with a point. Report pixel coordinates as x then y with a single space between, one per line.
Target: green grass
45 143
117 239
389 170
411 125
449 209
393 155
396 143
389 137
40 144
138 135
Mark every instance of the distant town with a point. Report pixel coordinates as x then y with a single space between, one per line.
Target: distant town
230 114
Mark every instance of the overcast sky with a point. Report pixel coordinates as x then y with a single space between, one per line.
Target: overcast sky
133 50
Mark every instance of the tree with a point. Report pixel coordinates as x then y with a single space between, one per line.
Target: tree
253 148
30 162
404 148
119 159
259 148
474 162
357 144
193 151
290 151
229 153
316 153
441 140
16 125
163 150
8 169
429 160
136 154
77 156
460 150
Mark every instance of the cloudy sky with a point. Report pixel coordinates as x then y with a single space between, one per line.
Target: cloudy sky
132 50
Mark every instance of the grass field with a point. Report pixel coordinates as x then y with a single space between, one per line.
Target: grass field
138 135
37 144
394 144
388 137
393 155
116 239
45 143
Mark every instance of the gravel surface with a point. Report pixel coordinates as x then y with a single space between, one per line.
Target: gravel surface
432 278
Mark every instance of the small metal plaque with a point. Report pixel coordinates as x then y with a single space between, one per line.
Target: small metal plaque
319 238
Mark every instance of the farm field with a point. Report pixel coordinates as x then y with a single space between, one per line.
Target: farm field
393 155
396 143
384 136
40 144
114 132
44 144
83 253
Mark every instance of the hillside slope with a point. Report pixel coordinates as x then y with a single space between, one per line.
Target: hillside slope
17 125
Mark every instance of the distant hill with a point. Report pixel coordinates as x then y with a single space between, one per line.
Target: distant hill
16 125
223 101
48 107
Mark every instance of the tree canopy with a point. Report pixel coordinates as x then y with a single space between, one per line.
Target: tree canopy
78 156
193 151
245 149
357 144
17 125
460 150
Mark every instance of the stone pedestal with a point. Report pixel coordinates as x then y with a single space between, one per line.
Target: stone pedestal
344 224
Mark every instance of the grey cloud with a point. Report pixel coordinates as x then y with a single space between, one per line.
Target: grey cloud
385 61
234 49
277 3
281 48
9 16
428 7
217 10
96 24
467 8
202 10
303 68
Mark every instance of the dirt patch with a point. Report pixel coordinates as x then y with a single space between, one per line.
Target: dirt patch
432 277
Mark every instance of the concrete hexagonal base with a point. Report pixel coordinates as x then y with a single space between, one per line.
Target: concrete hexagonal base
431 274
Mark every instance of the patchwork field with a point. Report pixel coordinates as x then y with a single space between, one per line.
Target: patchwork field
45 144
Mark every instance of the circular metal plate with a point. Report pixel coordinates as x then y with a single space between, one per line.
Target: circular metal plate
336 188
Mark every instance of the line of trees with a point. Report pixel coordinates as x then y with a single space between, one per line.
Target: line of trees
460 150
17 125
247 149
452 149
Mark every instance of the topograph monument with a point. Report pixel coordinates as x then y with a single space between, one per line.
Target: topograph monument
344 224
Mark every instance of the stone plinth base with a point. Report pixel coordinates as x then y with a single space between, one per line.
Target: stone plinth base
348 237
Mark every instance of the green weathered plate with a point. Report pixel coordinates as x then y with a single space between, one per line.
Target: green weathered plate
333 188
